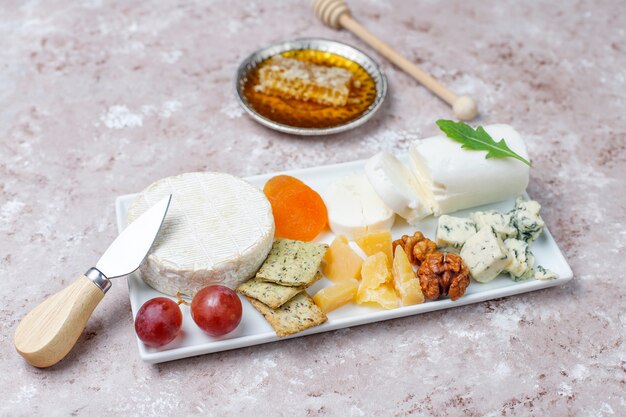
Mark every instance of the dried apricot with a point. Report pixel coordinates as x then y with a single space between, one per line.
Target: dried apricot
299 211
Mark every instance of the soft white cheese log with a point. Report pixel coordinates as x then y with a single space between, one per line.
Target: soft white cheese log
454 178
396 186
355 208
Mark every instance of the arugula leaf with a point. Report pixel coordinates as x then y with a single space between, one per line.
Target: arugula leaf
477 140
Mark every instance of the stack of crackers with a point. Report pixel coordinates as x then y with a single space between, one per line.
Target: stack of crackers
278 291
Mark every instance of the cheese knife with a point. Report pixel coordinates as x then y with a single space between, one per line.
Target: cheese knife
48 333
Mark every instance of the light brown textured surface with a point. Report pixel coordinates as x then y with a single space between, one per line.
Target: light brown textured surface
102 98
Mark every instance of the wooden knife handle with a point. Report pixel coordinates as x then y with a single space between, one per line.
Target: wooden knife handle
51 329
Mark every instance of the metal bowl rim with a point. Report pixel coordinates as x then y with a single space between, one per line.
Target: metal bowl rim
305 43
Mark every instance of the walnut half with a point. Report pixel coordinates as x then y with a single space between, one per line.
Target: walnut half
417 247
443 274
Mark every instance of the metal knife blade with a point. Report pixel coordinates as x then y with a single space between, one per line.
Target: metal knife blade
129 249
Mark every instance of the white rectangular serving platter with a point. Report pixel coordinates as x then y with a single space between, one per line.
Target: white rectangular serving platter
254 330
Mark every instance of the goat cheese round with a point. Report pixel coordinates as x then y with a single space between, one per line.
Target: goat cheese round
354 208
218 230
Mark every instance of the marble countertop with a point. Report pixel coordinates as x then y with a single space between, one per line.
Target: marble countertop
99 99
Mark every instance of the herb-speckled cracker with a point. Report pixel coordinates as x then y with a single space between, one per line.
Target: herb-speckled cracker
296 315
270 294
292 263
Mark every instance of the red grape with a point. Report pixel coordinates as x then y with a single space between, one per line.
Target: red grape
158 321
216 310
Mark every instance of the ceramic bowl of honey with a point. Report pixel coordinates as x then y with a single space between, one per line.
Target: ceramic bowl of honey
310 87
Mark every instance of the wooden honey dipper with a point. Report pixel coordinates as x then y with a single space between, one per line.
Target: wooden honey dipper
336 14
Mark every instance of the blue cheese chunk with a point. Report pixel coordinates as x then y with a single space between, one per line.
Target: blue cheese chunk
485 255
542 273
522 259
501 222
526 219
452 232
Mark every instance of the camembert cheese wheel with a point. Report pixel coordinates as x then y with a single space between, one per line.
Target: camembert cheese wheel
218 230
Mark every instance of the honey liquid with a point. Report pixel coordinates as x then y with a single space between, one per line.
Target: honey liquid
306 113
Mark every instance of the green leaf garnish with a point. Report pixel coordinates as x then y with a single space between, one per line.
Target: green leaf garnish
477 140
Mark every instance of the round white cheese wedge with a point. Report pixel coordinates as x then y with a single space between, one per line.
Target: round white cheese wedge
354 208
218 230
454 178
396 186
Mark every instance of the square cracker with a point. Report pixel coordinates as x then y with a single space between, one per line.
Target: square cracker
292 263
296 315
270 294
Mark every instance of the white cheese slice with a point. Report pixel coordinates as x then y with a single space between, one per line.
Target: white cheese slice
455 178
354 208
501 222
397 187
453 232
485 255
218 230
522 259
